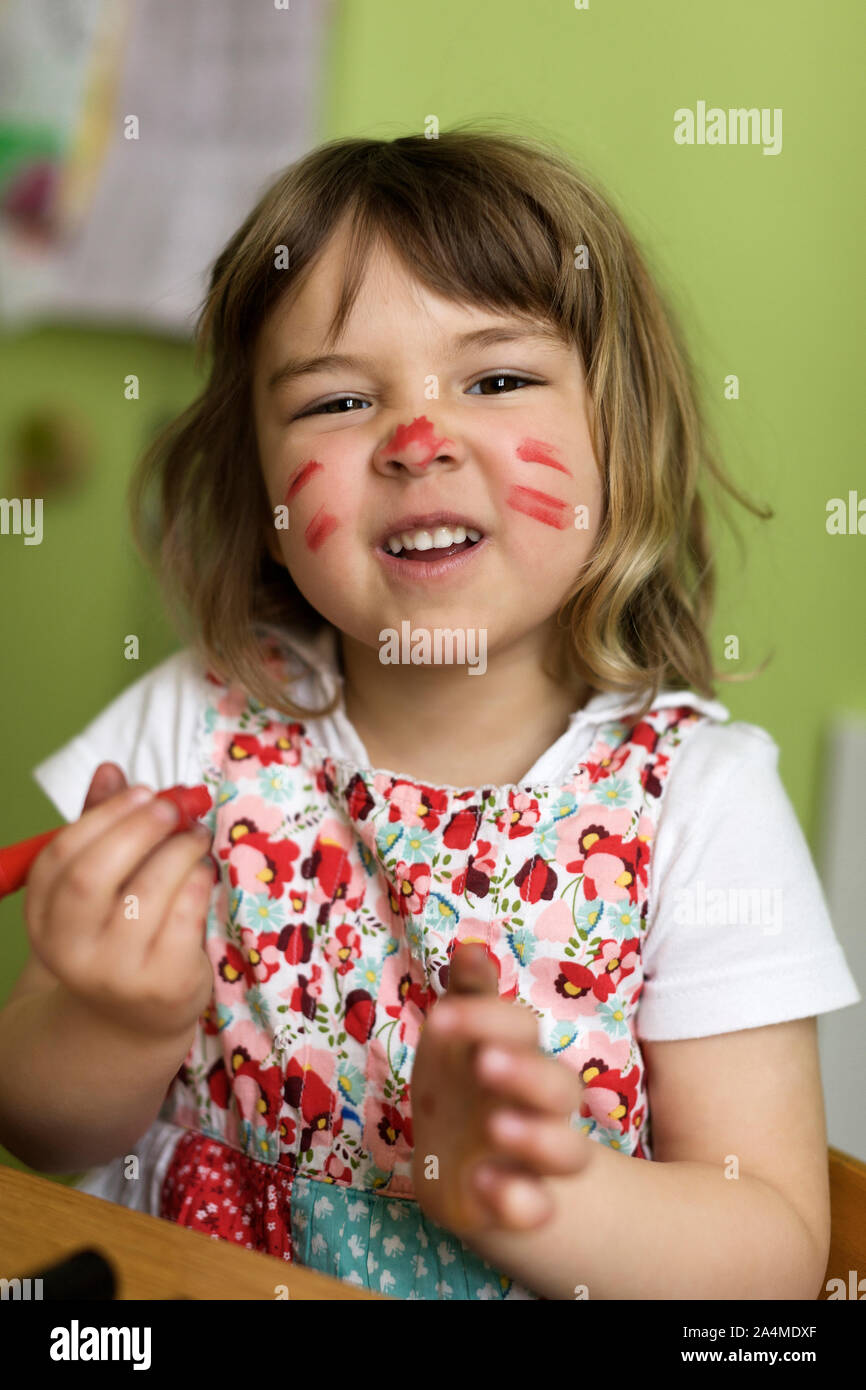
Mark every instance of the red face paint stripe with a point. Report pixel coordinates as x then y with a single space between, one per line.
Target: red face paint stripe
539 505
301 476
418 437
320 528
534 451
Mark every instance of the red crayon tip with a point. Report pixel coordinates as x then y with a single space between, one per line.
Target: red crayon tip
16 860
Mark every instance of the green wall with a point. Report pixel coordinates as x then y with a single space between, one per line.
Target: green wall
761 255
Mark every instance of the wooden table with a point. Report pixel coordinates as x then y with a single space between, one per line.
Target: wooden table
41 1222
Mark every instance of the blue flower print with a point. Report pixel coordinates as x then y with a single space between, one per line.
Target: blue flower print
614 791
613 1017
274 782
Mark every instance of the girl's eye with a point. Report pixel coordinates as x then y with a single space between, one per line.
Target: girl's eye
333 407
499 378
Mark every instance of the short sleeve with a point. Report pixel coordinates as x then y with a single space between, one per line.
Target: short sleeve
149 730
739 933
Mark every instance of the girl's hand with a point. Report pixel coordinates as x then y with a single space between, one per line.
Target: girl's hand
462 1106
137 961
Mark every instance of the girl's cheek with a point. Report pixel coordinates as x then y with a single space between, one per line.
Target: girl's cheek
533 470
323 523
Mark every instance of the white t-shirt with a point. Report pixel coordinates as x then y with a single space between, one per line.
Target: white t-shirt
738 934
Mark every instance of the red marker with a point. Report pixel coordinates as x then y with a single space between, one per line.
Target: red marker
16 860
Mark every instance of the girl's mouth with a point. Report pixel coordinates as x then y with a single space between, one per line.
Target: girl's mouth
433 553
425 545
432 562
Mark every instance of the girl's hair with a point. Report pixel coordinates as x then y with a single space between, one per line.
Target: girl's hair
483 219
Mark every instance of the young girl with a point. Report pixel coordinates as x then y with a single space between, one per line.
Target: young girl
435 523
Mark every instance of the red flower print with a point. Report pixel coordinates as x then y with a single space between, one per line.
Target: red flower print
332 868
219 1087
644 735
392 1126
359 802
654 774
613 866
360 1011
609 763
609 1095
234 968
306 1090
340 1172
462 828
296 943
535 880
258 863
343 948
413 886
521 817
415 805
305 996
256 944
256 1088
475 878
574 981
618 959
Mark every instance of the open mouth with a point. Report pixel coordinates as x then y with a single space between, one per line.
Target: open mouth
426 545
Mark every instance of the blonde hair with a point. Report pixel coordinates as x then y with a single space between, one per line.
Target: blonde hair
483 219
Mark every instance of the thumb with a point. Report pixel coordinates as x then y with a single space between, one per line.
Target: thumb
107 780
472 971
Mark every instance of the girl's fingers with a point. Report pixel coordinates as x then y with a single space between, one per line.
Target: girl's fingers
79 835
482 1018
540 1082
155 886
518 1201
548 1148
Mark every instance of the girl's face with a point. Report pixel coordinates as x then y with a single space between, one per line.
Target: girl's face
424 410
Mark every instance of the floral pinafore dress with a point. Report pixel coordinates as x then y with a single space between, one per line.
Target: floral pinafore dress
341 894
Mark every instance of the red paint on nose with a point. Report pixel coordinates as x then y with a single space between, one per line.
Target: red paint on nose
301 476
418 441
539 505
320 528
535 451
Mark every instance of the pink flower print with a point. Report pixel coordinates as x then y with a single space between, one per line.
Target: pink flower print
414 805
578 835
404 996
387 1127
655 774
566 988
609 761
262 953
521 817
343 948
411 888
304 996
243 816
337 1170
475 878
555 923
617 960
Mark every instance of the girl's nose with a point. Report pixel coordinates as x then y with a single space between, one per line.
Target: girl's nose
415 446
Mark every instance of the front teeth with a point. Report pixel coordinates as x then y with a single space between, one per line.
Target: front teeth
440 539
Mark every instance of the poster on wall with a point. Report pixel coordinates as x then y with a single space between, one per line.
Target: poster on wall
131 134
